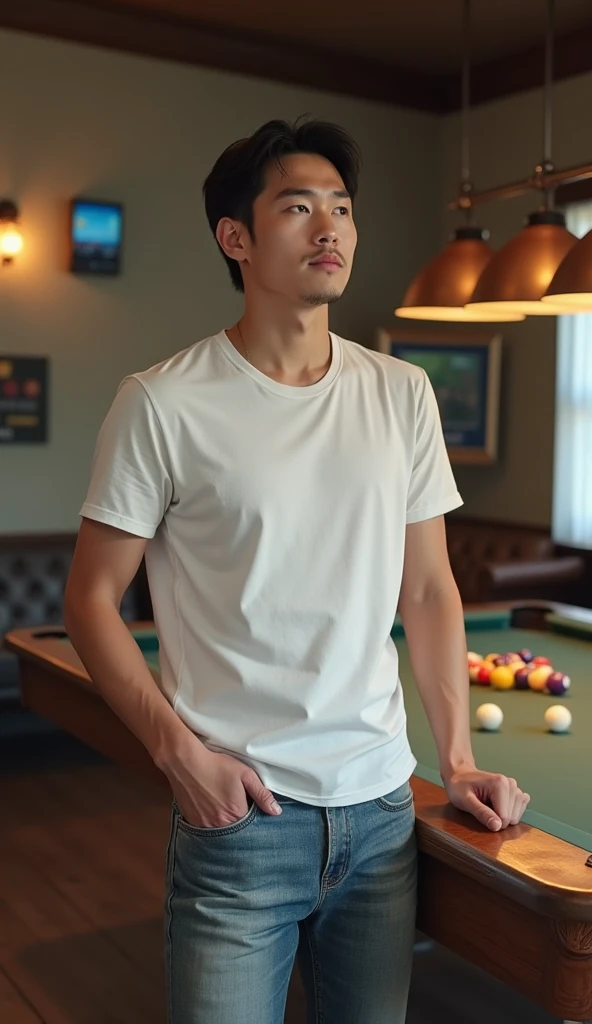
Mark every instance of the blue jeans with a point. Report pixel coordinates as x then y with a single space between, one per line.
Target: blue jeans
335 887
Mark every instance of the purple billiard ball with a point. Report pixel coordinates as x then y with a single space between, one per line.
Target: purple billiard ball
526 655
558 684
521 678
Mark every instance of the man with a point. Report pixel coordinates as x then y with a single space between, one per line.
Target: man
288 489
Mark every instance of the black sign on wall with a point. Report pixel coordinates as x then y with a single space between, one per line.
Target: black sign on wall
23 399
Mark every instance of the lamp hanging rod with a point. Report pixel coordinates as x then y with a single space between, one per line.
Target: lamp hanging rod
536 181
548 89
465 100
545 177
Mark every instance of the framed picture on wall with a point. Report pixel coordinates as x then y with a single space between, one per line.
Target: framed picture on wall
464 370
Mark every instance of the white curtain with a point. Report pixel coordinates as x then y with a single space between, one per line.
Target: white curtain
572 487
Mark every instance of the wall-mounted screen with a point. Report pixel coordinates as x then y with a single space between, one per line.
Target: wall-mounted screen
96 235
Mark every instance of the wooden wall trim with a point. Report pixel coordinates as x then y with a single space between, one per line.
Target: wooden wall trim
173 38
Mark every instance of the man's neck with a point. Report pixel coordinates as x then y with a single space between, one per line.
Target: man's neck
289 347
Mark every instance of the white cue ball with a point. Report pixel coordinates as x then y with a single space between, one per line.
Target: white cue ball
558 718
489 717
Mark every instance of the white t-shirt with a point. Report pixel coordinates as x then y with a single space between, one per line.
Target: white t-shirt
276 521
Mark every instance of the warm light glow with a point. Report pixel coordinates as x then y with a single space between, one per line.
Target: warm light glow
570 302
524 307
458 314
11 241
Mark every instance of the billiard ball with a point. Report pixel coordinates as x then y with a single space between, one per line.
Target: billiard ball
474 673
489 717
526 655
521 677
558 684
558 718
541 660
473 658
502 677
514 657
537 679
491 657
503 659
484 673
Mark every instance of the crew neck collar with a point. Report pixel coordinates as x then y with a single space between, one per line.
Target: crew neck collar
286 390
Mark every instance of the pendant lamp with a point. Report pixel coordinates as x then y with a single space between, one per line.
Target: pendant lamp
571 287
520 273
442 288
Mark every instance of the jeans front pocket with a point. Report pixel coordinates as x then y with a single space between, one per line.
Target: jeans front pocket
222 830
399 799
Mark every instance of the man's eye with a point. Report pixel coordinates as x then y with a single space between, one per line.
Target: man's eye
300 207
343 210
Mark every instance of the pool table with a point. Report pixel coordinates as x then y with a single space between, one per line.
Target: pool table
517 903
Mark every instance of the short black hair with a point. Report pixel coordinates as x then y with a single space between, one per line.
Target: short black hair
238 176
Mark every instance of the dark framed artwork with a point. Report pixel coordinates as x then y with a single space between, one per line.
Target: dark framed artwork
23 399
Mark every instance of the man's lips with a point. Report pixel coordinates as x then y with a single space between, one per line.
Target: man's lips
327 260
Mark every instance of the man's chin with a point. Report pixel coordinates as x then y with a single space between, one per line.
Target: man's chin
322 298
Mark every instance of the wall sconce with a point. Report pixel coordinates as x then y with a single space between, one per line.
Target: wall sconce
11 241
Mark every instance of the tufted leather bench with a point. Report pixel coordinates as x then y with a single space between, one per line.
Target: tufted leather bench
494 561
33 574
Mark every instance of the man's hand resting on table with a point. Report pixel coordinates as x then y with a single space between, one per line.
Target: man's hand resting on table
212 789
494 800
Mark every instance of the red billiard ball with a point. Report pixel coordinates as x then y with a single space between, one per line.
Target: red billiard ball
540 660
484 674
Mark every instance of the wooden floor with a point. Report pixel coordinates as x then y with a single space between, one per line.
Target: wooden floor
81 880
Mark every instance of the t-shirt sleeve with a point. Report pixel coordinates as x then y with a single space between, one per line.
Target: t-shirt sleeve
131 481
432 487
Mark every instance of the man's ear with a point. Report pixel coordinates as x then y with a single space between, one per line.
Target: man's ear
233 238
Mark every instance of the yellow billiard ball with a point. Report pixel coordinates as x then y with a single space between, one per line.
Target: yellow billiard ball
502 677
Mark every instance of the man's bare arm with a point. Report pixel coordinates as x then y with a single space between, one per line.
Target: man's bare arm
432 614
104 564
210 788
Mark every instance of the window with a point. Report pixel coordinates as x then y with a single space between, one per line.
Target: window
572 485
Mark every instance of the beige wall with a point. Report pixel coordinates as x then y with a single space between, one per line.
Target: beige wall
506 144
88 121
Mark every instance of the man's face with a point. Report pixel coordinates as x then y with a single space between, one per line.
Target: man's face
304 236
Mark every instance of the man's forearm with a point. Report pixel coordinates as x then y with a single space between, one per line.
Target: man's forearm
434 627
118 669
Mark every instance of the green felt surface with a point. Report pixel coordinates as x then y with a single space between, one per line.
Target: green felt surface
554 769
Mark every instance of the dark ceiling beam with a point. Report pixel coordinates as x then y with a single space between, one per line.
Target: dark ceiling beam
181 39
173 38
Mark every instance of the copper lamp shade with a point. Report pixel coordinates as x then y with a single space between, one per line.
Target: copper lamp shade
520 273
571 287
443 287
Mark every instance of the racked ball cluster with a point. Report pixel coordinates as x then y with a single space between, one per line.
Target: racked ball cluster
521 670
